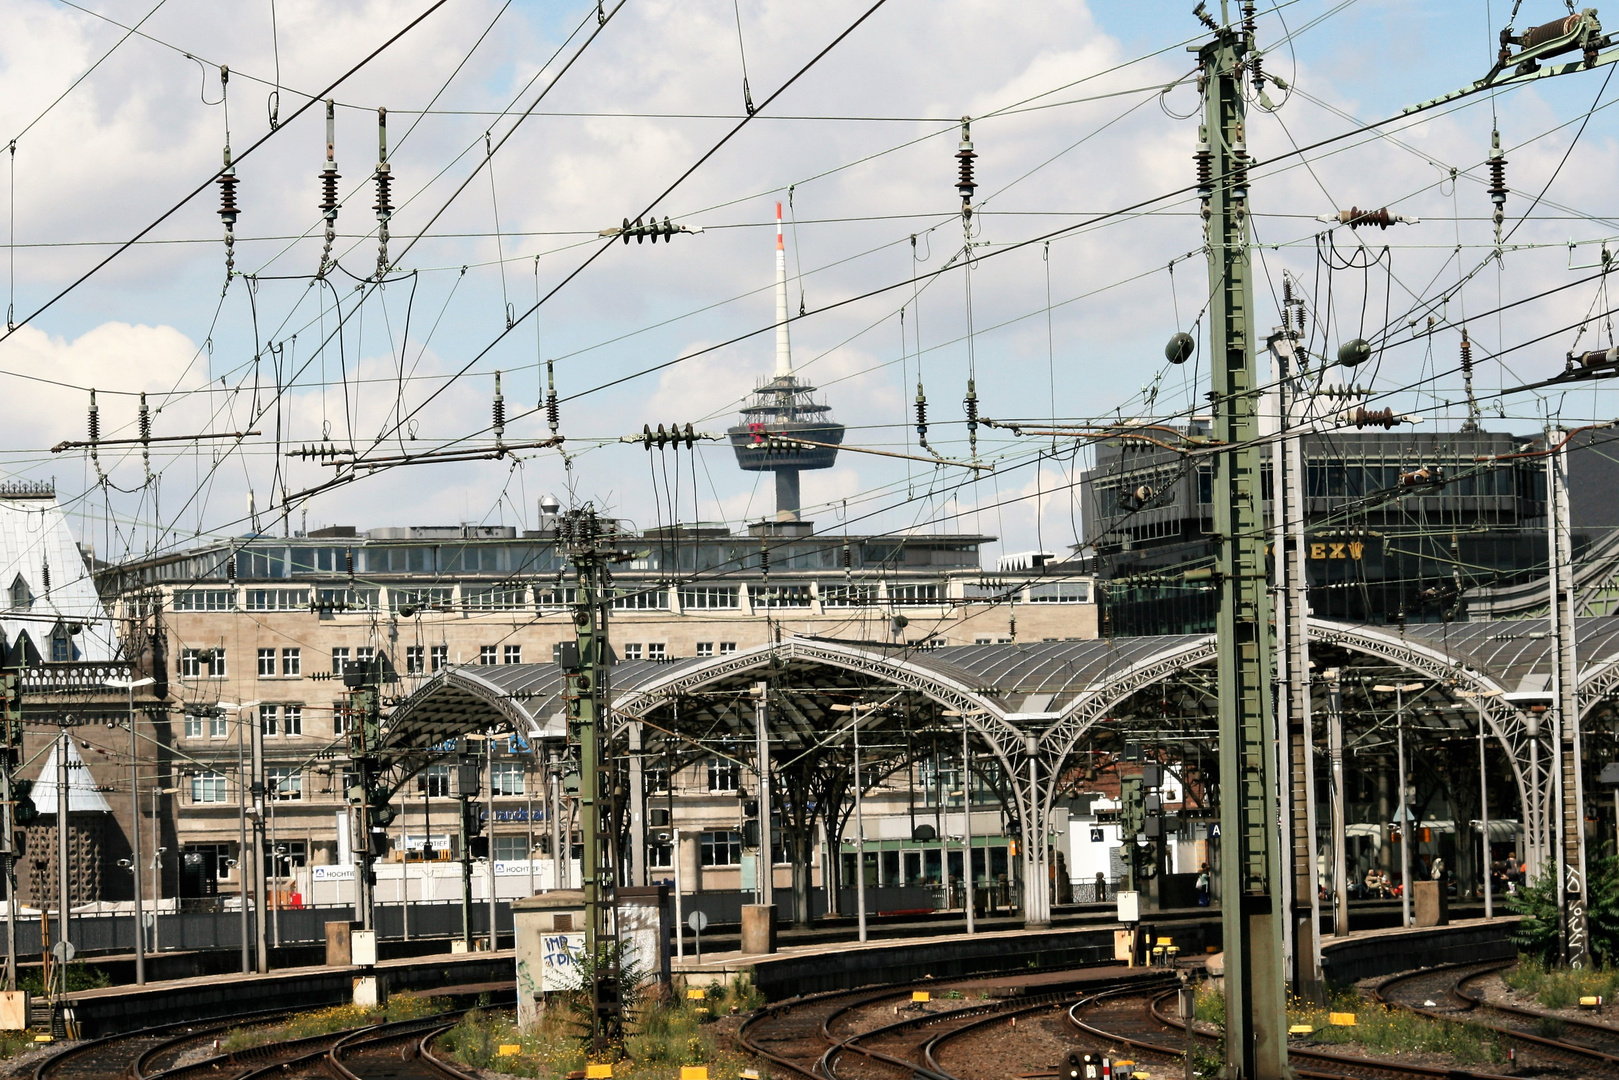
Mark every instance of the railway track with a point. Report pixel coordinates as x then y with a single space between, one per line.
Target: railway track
874 1033
1144 1026
1443 992
138 1054
390 1051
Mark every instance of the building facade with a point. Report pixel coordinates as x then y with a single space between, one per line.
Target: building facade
260 630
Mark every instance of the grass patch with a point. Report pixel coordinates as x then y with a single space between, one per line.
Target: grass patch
664 1035
1558 987
334 1018
1379 1029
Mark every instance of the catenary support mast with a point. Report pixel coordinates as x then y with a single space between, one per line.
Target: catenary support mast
1250 873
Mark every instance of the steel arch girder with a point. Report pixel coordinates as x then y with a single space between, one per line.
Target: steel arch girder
1506 723
981 713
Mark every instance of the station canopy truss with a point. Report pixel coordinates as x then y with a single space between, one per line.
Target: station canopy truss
1050 705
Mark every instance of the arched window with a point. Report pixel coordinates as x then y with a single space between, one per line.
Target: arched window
22 597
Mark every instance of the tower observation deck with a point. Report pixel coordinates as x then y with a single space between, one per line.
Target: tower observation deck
785 406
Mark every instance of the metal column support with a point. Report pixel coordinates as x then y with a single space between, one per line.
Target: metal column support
1250 862
1340 829
260 896
63 903
1036 859
766 864
638 866
489 828
1568 786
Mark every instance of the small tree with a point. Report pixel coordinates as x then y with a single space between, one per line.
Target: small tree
1538 934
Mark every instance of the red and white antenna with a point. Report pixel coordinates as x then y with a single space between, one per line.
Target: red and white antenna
784 355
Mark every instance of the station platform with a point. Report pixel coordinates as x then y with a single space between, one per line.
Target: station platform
114 1009
1366 954
820 966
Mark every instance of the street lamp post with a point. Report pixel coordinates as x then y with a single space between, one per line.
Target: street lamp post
1399 693
135 823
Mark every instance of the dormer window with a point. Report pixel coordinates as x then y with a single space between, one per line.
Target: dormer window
22 597
61 646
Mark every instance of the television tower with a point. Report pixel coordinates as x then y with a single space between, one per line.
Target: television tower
783 407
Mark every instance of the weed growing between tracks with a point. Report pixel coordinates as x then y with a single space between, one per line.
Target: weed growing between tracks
1559 987
329 1020
664 1035
1378 1029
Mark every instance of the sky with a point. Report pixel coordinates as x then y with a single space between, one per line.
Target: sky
518 131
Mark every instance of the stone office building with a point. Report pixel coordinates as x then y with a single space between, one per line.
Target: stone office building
254 630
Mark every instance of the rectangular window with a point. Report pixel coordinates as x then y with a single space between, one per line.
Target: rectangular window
193 726
415 662
660 855
269 718
340 661
289 854
657 781
511 848
651 598
494 598
292 719
723 774
218 725
848 595
407 602
779 596
632 650
258 565
440 657
365 655
216 664
284 784
342 717
551 597
722 849
205 600
190 665
913 594
277 599
266 663
1060 592
215 858
292 662
486 655
434 781
657 650
508 778
708 597
705 648
511 654
727 647
208 787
